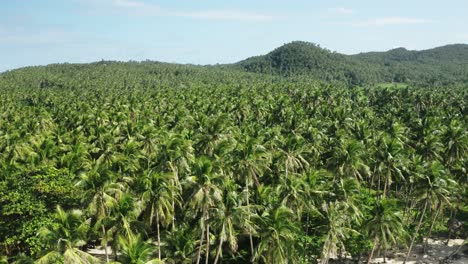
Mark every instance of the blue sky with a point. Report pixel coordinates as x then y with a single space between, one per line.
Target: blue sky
38 32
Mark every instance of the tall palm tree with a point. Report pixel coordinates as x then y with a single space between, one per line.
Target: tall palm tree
251 160
231 218
338 228
278 236
385 227
66 238
158 196
99 196
433 187
206 193
123 219
347 159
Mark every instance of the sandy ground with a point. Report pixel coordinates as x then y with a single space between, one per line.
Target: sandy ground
436 251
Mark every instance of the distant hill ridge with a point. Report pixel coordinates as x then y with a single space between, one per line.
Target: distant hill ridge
446 64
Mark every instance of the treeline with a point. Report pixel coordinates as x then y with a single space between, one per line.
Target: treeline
184 164
439 66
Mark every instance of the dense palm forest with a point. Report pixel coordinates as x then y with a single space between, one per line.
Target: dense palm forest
186 164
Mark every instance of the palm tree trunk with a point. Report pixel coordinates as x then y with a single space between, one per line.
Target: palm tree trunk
450 229
326 251
385 255
458 249
416 232
207 254
385 187
201 238
439 207
218 252
105 243
371 255
248 211
159 235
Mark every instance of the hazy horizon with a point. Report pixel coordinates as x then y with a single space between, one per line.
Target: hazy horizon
211 32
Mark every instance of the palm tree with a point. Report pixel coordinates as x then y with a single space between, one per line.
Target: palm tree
251 161
338 228
136 251
293 153
180 246
434 187
385 227
389 164
455 141
158 196
347 159
123 220
66 238
206 193
278 236
99 196
231 218
176 155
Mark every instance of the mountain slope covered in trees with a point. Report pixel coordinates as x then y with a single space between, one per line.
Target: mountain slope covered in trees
442 65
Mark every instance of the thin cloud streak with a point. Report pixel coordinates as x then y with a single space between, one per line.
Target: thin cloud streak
342 10
140 8
387 21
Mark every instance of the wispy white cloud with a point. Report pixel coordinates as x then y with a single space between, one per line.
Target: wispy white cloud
342 10
127 3
141 8
386 21
49 36
223 15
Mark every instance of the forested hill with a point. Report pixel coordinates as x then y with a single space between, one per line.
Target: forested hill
442 65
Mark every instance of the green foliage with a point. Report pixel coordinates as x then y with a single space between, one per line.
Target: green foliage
218 165
442 65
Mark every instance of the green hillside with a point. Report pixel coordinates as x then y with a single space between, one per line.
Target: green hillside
168 163
442 65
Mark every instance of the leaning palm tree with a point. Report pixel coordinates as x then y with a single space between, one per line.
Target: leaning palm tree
434 187
339 215
66 238
385 226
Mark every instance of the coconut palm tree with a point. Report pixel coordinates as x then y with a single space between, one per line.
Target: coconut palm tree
385 227
206 193
338 228
135 250
65 238
278 236
231 218
251 160
433 187
99 196
123 219
158 195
